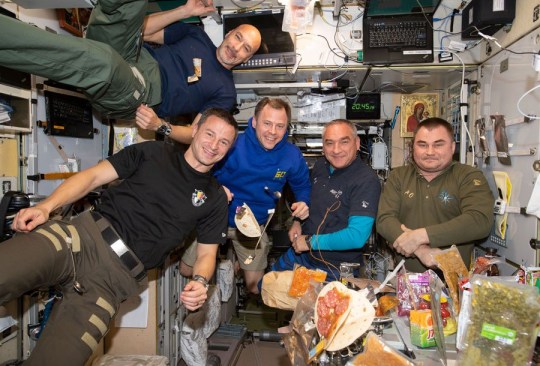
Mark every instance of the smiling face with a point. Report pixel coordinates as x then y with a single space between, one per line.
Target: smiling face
433 148
211 141
270 126
238 46
340 144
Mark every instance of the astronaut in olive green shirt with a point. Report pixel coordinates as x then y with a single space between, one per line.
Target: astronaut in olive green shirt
434 202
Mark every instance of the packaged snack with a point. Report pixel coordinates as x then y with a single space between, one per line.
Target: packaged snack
502 326
448 321
385 304
410 288
454 269
301 278
532 277
377 352
422 328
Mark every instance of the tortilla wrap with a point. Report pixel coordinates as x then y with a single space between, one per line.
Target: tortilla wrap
343 290
246 222
358 321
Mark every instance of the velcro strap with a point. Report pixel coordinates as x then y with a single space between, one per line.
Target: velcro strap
104 304
99 324
89 340
53 239
75 239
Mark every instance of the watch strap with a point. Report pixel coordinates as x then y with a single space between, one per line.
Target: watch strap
308 240
165 129
201 279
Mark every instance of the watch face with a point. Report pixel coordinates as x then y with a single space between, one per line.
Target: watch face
164 130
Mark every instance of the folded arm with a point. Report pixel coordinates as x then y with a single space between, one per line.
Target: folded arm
354 236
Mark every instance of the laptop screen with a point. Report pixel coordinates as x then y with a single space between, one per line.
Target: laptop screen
400 7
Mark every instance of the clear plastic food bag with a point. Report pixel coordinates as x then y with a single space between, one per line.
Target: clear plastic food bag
502 325
298 16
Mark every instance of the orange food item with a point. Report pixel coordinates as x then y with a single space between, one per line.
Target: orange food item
386 303
453 268
300 281
377 353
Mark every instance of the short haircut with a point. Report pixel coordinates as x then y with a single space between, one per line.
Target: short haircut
339 121
276 103
433 122
221 114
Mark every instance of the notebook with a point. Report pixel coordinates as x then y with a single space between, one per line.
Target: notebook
398 31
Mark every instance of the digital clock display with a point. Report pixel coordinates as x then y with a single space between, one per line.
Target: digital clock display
364 106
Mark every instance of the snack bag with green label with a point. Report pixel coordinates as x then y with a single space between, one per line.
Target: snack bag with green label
502 326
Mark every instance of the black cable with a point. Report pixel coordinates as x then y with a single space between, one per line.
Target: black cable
454 12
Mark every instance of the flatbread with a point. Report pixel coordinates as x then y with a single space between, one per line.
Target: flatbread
357 322
246 222
322 307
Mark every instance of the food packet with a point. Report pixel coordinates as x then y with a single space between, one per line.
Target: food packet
502 325
377 352
410 288
422 334
447 318
483 264
303 332
385 304
454 269
301 278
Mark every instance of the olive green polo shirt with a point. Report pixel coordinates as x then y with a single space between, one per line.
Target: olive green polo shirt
456 207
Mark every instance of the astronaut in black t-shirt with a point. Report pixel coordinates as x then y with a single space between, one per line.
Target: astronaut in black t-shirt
98 257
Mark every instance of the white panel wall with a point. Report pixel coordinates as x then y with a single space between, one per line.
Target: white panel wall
41 153
499 94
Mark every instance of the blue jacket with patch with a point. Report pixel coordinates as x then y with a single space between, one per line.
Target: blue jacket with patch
248 168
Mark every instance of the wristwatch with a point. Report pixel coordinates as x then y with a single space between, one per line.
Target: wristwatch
201 279
308 240
165 129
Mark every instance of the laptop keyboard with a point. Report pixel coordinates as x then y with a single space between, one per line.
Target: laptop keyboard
399 34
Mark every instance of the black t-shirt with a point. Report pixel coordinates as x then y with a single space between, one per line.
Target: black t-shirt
160 199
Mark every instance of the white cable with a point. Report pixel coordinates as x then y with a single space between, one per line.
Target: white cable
462 95
489 38
521 98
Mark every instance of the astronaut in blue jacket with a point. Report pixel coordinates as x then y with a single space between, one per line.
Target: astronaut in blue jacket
254 172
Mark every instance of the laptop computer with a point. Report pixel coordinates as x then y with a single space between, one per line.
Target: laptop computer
398 31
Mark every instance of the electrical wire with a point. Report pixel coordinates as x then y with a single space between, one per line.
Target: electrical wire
462 97
335 206
521 98
247 8
494 40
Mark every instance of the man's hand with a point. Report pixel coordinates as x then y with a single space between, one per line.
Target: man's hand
147 119
194 295
28 219
300 210
295 231
410 240
426 255
299 244
229 194
199 7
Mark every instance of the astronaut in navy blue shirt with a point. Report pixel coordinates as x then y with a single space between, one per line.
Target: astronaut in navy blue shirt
185 86
344 199
122 78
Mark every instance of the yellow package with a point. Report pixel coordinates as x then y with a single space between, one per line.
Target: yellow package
422 334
